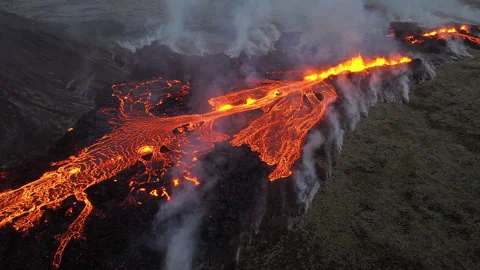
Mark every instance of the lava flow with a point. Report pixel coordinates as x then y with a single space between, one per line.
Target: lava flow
290 110
462 32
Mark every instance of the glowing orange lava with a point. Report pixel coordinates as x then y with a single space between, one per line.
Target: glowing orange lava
290 110
440 31
413 40
165 194
462 32
356 64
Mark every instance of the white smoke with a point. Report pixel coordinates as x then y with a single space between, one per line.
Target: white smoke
254 31
253 26
177 223
182 245
196 26
339 26
457 47
306 178
427 12
355 103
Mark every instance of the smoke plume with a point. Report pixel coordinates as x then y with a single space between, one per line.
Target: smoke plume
176 225
340 27
428 12
253 26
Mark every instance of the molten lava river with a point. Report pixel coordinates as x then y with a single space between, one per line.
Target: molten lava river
462 32
290 109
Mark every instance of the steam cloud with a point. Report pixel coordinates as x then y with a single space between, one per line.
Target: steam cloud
428 12
252 26
340 26
176 225
197 26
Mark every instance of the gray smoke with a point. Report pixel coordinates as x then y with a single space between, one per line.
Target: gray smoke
253 26
182 245
339 26
198 26
342 118
176 224
428 12
306 178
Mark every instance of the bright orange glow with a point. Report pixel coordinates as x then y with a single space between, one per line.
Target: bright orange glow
192 179
442 33
250 101
429 34
26 222
356 64
145 150
225 107
74 171
69 129
74 231
290 110
165 194
413 40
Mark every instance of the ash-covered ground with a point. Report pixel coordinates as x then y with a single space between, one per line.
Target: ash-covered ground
405 192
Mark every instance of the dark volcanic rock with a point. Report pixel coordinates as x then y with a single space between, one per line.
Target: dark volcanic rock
48 83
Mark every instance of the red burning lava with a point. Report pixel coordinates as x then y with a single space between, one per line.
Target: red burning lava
462 32
290 110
